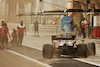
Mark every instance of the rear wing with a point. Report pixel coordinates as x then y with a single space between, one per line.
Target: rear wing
63 37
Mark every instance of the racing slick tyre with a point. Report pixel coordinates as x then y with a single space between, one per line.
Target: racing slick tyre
82 50
48 51
91 49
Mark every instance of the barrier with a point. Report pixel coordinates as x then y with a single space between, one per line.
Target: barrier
96 32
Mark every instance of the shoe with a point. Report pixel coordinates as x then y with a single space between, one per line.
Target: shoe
37 35
34 35
83 37
1 49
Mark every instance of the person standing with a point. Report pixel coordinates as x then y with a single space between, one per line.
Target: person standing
36 26
21 29
83 24
72 26
0 35
4 36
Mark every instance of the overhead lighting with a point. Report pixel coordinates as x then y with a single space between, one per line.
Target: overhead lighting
57 7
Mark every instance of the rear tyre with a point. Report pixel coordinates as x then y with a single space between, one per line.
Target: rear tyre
82 50
91 49
48 51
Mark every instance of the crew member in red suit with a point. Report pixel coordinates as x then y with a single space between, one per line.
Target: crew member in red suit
21 29
4 36
83 24
0 35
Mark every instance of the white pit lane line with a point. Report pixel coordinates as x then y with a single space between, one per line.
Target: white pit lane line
87 62
73 58
32 47
31 59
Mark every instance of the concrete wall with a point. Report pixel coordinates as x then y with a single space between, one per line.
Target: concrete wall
36 6
2 10
61 3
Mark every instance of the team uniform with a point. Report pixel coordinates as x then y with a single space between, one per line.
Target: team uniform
21 29
83 28
0 33
4 37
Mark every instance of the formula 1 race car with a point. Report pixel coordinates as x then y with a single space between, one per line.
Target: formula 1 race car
67 45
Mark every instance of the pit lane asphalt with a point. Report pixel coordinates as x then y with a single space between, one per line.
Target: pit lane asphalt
8 59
